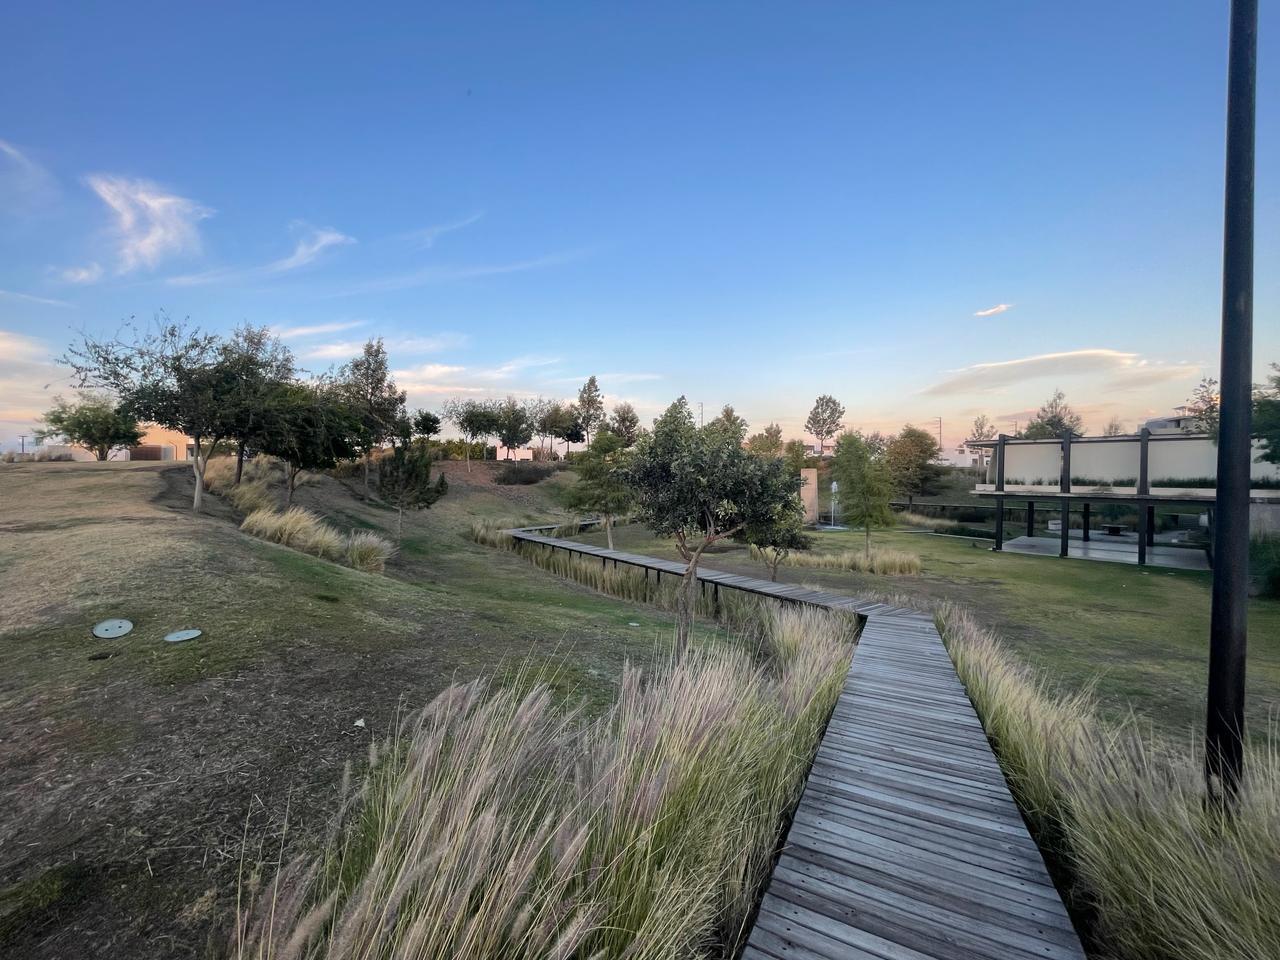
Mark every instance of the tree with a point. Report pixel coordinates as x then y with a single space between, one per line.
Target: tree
865 486
1266 417
475 419
514 426
1114 428
729 423
372 395
94 423
778 537
876 442
699 487
625 424
310 426
171 375
538 410
1053 420
795 455
590 406
602 486
561 423
261 363
824 419
404 478
767 443
1204 405
425 425
982 429
910 459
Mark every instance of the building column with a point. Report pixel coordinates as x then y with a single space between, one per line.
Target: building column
1084 516
1066 527
1031 518
1151 526
999 524
1142 533
1000 463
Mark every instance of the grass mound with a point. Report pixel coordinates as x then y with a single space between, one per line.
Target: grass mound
880 560
500 826
1165 873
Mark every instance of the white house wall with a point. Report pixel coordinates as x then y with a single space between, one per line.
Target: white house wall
1032 462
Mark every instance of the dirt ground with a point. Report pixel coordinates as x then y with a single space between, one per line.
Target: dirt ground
136 776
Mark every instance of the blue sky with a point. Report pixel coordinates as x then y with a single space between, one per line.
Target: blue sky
747 204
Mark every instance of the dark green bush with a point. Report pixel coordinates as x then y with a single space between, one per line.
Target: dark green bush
523 472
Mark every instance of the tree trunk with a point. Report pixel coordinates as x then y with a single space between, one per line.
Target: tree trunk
773 568
197 467
293 481
608 530
867 529
686 601
400 522
239 461
466 453
366 476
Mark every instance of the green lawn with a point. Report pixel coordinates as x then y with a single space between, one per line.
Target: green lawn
1139 638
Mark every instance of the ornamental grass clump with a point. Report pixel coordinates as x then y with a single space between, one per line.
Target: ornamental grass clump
879 560
369 552
500 826
297 528
1161 871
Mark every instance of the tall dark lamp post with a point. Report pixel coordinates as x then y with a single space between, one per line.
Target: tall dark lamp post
1228 629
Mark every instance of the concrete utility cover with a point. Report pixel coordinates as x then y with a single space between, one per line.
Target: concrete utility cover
110 629
179 635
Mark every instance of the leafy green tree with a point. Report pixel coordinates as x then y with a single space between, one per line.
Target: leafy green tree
261 363
982 429
729 423
795 455
824 419
1266 417
426 425
1204 405
1054 419
561 422
475 419
373 396
590 406
779 535
767 443
404 477
699 487
172 375
94 422
514 426
865 486
311 426
625 424
911 459
602 486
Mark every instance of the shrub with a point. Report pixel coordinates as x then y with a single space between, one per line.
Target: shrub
523 472
1264 562
249 497
882 560
1126 816
499 827
297 528
369 552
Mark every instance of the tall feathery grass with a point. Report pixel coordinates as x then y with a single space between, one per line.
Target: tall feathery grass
911 519
1165 874
499 826
880 560
626 582
253 492
302 530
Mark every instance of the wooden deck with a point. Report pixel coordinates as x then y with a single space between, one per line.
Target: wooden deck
906 844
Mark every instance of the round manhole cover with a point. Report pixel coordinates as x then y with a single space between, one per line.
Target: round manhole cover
180 635
110 629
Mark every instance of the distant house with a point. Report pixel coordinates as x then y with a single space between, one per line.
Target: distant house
161 443
968 455
1182 420
828 449
513 453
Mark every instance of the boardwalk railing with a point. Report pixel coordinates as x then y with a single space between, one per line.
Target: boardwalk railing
906 844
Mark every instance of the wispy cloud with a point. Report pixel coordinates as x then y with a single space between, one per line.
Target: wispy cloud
428 236
510 368
345 349
606 379
313 242
445 273
316 329
989 377
31 298
89 273
152 224
23 182
992 311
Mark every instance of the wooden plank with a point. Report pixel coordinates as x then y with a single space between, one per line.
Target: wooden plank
906 843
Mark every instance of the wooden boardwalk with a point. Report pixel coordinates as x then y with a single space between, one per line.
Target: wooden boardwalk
906 844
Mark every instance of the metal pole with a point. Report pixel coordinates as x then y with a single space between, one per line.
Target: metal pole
999 524
1228 622
22 439
1064 533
